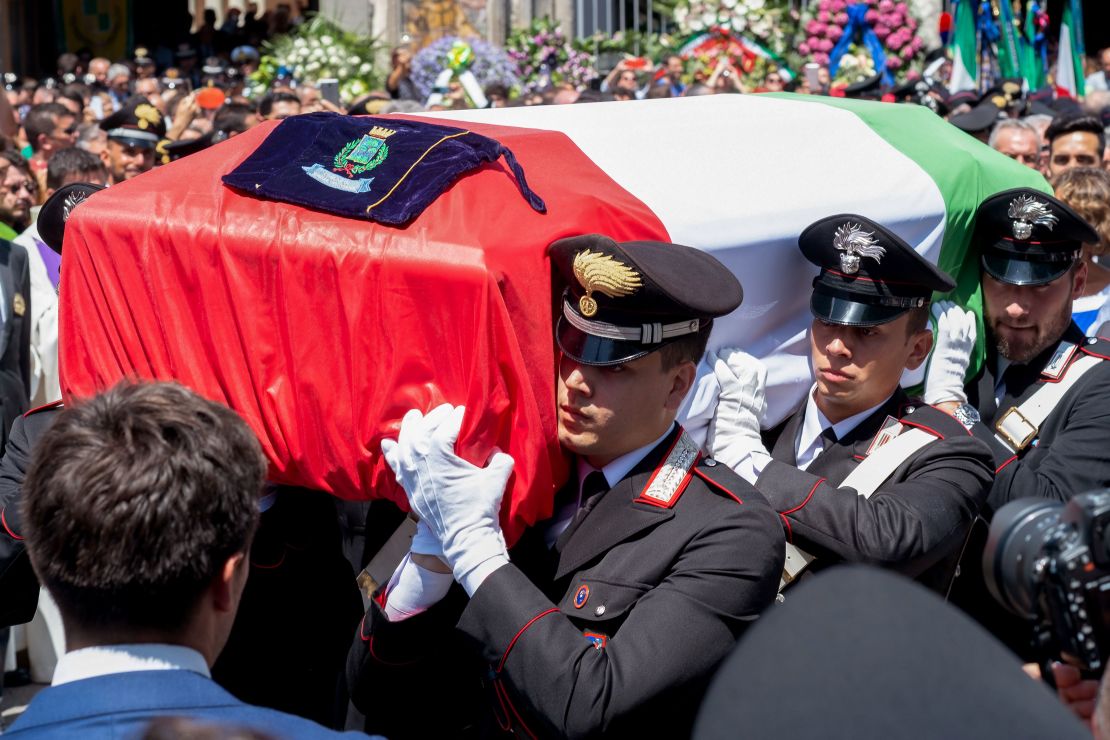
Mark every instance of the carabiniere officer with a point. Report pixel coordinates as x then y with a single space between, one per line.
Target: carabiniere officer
859 472
610 617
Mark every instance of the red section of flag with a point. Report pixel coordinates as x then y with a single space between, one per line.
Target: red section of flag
323 331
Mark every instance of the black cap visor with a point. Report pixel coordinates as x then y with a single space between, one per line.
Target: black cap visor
588 349
137 142
1007 269
836 309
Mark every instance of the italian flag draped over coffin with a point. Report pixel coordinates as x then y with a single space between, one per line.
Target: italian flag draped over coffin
322 331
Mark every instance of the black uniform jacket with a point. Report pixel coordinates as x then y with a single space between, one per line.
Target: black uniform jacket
615 631
15 336
915 522
19 589
1071 454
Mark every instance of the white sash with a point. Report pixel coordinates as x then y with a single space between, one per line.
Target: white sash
1020 425
865 479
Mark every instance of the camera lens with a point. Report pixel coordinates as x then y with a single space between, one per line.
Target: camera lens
1016 542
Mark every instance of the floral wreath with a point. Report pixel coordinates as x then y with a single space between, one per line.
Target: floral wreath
885 28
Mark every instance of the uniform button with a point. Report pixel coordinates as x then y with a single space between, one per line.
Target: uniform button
710 462
600 610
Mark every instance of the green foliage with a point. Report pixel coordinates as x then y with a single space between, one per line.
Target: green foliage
318 49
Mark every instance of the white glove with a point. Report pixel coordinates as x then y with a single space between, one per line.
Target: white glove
458 501
424 541
955 338
734 432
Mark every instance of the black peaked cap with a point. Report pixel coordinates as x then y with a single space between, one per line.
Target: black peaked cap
979 118
624 300
55 212
1027 237
137 123
870 88
863 653
178 149
869 275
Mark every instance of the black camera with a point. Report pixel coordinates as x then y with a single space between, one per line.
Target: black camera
1049 563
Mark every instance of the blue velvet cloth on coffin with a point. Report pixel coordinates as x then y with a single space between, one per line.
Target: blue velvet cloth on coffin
382 169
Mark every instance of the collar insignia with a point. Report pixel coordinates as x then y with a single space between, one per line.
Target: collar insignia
600 272
1027 212
670 479
854 243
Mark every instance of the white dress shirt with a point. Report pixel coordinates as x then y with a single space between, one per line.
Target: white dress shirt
105 660
809 444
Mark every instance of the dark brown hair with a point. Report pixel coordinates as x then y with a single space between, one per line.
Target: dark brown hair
134 501
689 348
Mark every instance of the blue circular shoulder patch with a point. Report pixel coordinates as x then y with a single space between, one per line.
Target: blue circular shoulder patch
581 595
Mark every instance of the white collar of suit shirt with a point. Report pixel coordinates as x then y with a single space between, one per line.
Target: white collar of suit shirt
809 439
614 472
104 660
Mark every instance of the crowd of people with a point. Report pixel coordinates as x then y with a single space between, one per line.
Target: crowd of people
142 511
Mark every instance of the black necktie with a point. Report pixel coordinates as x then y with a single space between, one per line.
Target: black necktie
828 438
594 486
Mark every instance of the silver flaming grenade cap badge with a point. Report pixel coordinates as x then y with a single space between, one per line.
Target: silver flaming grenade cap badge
1027 211
853 243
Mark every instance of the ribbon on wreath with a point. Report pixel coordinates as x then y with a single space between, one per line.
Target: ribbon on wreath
459 58
858 26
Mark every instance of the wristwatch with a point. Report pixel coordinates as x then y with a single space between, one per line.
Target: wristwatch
966 414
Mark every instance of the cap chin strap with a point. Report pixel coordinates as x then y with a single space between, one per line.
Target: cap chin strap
644 333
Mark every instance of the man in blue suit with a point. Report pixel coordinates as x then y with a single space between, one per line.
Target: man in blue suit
139 509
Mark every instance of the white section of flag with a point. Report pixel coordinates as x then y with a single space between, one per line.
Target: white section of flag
1065 60
777 166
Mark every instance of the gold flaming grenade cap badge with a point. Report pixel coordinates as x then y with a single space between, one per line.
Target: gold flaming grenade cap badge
601 273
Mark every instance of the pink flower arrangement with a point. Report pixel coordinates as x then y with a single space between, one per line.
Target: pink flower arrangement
891 21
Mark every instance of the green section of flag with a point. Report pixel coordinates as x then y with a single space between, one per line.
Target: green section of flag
966 172
965 55
1032 66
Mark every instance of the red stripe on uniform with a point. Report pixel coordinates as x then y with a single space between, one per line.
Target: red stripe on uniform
789 530
811 492
924 428
999 470
503 697
8 529
516 637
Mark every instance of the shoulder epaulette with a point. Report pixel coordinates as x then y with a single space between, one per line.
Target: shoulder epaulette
1097 347
720 477
933 420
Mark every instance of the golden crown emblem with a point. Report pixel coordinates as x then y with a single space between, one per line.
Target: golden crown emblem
378 132
600 272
